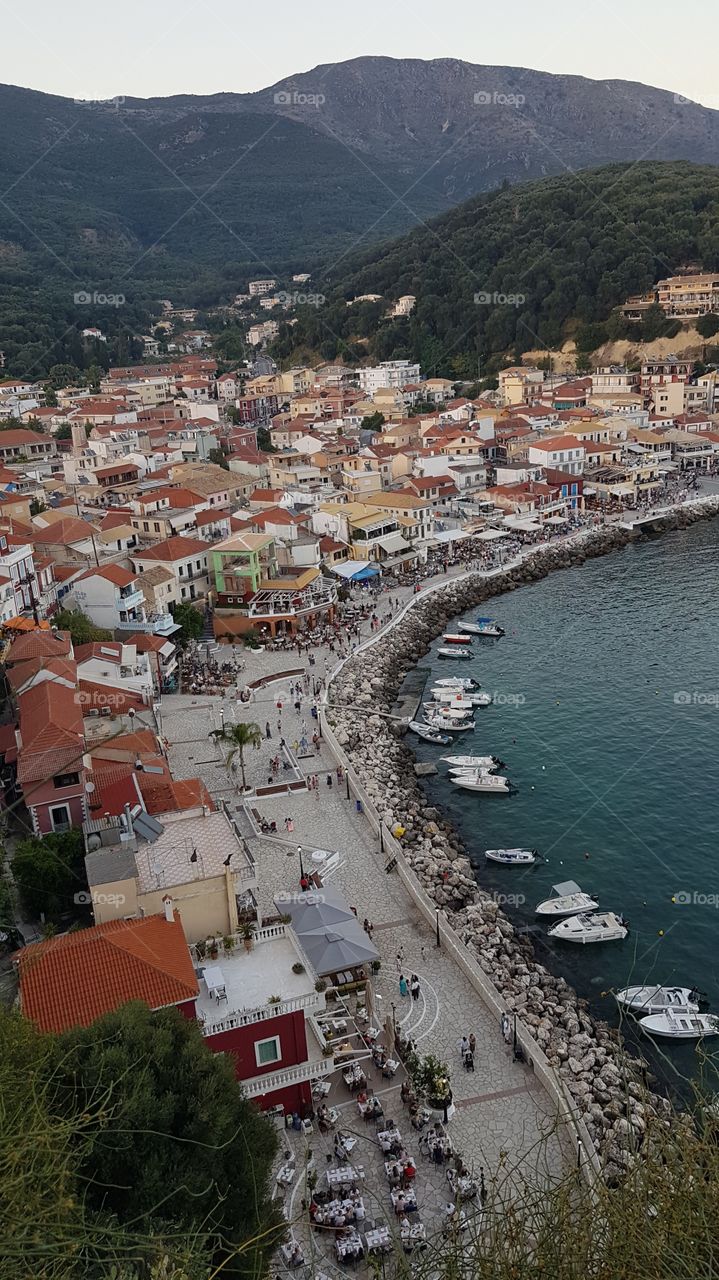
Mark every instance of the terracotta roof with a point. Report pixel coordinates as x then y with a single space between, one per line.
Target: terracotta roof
21 672
40 644
170 796
172 549
111 573
11 439
144 642
51 730
72 980
67 530
110 650
555 443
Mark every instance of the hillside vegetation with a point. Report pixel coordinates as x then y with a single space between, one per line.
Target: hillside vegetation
523 268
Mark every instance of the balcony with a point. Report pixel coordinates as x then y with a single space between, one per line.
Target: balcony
131 599
289 603
252 979
157 624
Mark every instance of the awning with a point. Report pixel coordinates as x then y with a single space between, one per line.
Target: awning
557 520
354 569
525 525
449 535
394 542
491 535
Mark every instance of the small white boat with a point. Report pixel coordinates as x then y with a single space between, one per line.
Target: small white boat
603 927
456 702
512 857
455 637
650 1000
569 900
462 697
473 762
455 711
454 653
491 783
447 724
486 627
429 735
681 1024
457 682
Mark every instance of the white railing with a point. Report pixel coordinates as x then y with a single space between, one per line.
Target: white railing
245 1017
290 1075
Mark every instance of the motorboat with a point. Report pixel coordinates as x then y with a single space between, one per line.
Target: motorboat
429 735
491 783
448 724
457 682
486 627
606 926
455 637
455 653
461 711
681 1024
651 1000
473 762
456 702
462 697
512 857
568 900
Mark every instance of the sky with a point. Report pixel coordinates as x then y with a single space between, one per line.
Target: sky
150 48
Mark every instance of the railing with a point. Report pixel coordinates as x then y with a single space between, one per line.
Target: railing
291 1075
262 1013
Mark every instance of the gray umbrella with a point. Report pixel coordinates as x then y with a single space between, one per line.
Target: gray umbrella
329 952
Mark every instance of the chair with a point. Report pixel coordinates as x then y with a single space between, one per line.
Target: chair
307 1126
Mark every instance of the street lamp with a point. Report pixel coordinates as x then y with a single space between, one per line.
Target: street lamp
439 940
302 869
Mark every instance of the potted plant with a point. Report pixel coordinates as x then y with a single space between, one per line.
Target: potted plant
285 918
212 948
432 1078
298 967
228 943
376 965
247 934
201 950
320 985
274 999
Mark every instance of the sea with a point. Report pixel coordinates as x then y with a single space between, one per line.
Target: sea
606 713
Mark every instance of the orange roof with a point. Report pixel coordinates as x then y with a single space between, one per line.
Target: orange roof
112 573
66 531
72 980
99 696
165 795
21 672
175 548
555 443
40 644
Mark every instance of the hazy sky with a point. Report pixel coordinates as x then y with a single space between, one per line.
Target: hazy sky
143 48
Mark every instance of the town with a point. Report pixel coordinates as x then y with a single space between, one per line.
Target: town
185 556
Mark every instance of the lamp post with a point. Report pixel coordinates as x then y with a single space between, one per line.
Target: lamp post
439 940
302 869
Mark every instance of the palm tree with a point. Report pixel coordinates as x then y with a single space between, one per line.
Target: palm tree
237 737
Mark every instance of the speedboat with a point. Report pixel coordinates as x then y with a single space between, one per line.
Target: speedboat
473 762
487 627
429 735
454 653
457 682
681 1024
569 900
454 637
492 783
448 724
512 857
604 927
454 702
461 711
462 697
650 1000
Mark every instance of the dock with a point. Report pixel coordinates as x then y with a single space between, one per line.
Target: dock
410 695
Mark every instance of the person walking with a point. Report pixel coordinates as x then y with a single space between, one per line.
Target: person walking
400 959
403 988
463 1047
268 731
472 1044
414 986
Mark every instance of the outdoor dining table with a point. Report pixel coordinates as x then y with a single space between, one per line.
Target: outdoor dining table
293 1255
344 1176
389 1138
349 1244
379 1240
395 1168
355 1078
412 1235
404 1201
465 1187
285 1175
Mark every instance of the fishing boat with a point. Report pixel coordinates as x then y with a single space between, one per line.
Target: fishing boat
651 1000
606 926
569 900
454 653
491 783
512 857
429 735
486 627
462 697
681 1024
473 762
457 682
455 637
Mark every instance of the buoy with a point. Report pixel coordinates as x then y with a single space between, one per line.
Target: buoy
661 933
544 766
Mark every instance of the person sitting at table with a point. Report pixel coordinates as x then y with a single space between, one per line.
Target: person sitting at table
408 1173
395 1172
296 1257
359 1208
405 1226
361 1097
400 1204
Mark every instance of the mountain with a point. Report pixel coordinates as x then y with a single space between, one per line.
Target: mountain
522 268
191 195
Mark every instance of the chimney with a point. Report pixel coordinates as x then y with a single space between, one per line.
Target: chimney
79 438
169 910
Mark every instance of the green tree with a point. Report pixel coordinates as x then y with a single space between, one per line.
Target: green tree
93 376
185 1146
64 375
190 619
218 457
264 440
50 872
707 325
372 422
36 506
81 629
237 737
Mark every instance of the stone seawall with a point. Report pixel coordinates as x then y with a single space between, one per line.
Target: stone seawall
608 1085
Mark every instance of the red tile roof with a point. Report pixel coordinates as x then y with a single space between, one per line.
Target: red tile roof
172 549
72 980
40 644
165 795
111 573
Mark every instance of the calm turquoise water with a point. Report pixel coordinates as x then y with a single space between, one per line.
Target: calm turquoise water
607 762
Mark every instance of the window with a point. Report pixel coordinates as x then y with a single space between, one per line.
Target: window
66 779
60 817
267 1051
